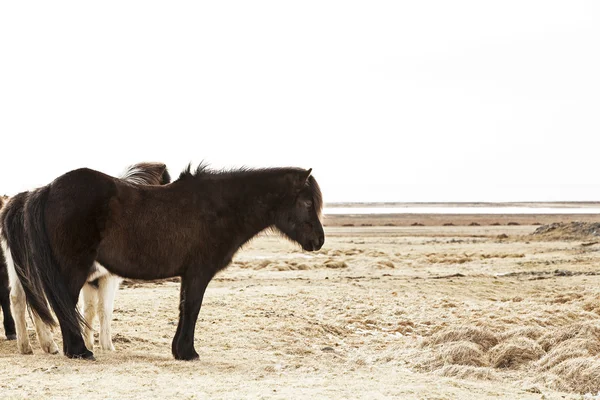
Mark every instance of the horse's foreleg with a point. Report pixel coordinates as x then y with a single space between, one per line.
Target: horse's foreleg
107 289
89 295
192 293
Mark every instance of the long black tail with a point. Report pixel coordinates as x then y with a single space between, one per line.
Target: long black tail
13 232
43 268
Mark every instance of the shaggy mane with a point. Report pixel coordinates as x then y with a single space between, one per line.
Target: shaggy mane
203 171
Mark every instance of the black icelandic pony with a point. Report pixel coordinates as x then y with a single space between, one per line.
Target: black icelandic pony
190 228
9 322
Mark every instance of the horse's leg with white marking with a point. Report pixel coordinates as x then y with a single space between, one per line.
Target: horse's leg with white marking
44 335
18 306
90 300
192 293
18 303
19 310
107 289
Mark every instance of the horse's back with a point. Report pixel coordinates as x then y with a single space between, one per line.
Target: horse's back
138 242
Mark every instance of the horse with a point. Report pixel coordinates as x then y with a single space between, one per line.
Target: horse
100 289
9 322
190 228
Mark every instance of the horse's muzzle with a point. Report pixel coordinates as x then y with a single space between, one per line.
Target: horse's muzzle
315 244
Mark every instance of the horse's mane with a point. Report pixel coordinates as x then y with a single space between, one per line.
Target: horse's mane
203 171
147 173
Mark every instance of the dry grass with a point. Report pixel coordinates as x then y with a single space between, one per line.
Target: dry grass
580 375
515 352
458 353
473 334
572 348
573 230
579 330
477 353
530 332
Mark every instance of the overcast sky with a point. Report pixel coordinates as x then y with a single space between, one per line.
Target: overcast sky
386 101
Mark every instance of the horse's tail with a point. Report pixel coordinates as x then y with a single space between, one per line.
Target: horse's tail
13 233
44 270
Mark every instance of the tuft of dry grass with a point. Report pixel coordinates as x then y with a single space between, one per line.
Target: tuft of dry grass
574 230
572 348
481 336
585 330
458 353
580 375
384 264
530 332
336 264
515 352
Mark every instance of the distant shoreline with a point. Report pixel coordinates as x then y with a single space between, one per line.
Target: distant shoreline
425 219
529 204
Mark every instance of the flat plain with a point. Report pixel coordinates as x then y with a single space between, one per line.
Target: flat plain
384 310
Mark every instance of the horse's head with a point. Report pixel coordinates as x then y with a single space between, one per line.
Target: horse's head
299 216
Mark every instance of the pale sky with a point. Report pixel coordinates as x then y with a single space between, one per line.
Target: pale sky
386 101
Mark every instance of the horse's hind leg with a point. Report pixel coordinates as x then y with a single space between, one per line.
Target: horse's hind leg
73 343
90 300
9 322
44 336
107 289
18 305
192 293
19 309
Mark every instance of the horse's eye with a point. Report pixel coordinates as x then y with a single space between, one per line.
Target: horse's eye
308 203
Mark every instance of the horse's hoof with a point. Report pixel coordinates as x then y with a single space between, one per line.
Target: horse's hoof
87 355
188 357
26 349
11 337
50 348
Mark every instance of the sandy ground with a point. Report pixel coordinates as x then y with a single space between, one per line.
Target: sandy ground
450 312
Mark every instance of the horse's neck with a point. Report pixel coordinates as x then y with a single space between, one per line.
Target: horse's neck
245 210
256 215
240 226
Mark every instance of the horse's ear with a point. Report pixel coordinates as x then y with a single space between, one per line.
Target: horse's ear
304 175
298 179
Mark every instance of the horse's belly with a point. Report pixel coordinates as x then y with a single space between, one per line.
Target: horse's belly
129 263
